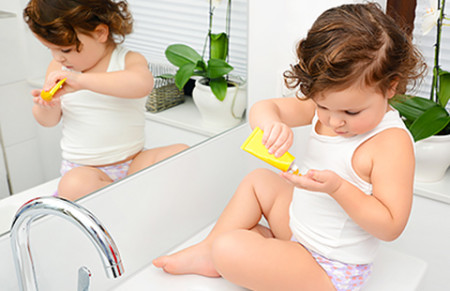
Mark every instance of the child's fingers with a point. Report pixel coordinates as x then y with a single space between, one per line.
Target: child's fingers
35 92
278 140
270 135
297 180
325 181
283 144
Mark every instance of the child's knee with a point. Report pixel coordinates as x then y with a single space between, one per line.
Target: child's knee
260 174
180 147
224 250
80 181
229 249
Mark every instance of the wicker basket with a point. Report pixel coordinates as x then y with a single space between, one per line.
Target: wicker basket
164 94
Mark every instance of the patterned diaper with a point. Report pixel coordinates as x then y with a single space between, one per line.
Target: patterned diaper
345 277
115 172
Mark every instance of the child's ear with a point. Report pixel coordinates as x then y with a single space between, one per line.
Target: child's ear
392 89
101 32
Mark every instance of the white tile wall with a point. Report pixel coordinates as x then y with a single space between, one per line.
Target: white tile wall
11 50
25 165
4 189
22 57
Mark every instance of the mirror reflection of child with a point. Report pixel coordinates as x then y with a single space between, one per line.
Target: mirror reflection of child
102 102
325 226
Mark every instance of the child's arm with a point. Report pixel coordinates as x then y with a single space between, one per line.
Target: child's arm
385 213
135 81
276 117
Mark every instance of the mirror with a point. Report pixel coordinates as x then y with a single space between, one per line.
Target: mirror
30 154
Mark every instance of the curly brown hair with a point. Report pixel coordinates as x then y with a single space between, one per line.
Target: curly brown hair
57 21
355 43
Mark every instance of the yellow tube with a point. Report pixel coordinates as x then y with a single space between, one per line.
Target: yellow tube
253 144
48 95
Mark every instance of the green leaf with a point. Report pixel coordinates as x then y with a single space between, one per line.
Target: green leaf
183 74
431 122
218 68
444 88
411 107
166 76
201 66
180 54
219 46
219 87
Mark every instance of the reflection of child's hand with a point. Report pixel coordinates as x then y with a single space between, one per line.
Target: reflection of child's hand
70 85
325 181
36 93
278 138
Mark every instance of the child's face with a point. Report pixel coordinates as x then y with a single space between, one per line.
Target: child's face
352 111
92 50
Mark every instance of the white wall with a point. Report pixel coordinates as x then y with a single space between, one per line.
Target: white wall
22 58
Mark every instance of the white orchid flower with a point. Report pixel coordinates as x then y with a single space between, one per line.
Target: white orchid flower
215 3
429 19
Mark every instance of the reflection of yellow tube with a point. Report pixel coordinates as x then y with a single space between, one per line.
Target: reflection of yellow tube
48 95
253 144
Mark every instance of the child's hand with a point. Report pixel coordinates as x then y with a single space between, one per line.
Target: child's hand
70 85
325 181
278 138
36 93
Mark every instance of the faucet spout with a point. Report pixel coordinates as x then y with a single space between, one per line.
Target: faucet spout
72 212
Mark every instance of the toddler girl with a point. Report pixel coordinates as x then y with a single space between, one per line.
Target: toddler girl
324 226
101 104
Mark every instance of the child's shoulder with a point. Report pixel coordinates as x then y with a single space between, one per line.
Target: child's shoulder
134 57
389 144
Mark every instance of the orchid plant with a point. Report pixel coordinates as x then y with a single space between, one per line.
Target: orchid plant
190 63
428 117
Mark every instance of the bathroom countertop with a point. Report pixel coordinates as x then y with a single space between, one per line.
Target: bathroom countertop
388 264
185 116
439 191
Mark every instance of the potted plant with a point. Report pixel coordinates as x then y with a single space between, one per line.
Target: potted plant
228 95
428 119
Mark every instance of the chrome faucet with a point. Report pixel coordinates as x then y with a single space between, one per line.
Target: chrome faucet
70 211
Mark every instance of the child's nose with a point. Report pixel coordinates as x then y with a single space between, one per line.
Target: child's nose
336 121
58 57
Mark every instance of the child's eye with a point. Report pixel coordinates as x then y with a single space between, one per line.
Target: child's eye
66 50
351 113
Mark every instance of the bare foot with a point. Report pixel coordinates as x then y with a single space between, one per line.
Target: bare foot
193 260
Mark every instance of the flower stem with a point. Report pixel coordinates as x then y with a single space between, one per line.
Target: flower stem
208 36
227 29
435 85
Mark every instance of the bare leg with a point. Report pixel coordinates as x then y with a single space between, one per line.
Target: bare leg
262 192
152 156
81 181
258 263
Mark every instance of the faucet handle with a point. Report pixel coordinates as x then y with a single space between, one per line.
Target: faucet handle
84 278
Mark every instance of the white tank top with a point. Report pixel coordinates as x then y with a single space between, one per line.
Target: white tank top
98 129
316 219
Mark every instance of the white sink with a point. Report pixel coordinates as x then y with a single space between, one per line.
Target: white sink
152 278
